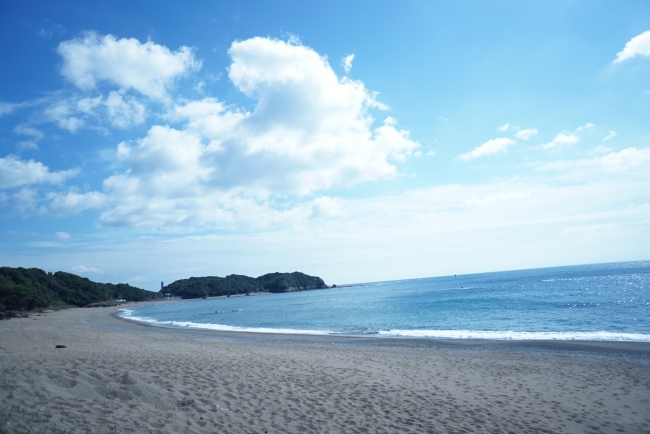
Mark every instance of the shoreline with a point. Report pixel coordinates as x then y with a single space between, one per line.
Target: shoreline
628 347
594 346
112 375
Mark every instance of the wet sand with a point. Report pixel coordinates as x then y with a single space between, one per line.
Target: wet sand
117 376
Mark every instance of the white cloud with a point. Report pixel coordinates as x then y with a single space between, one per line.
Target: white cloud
327 207
87 105
396 231
600 150
504 127
63 114
586 127
431 153
609 136
26 130
145 67
117 109
6 108
347 63
637 46
26 144
165 161
494 146
308 131
200 87
63 236
15 172
210 118
560 140
124 112
526 134
51 28
494 198
626 159
26 200
71 203
82 269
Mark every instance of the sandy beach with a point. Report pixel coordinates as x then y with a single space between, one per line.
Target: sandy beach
116 376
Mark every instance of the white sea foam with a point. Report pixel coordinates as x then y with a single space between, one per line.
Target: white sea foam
520 336
128 314
439 334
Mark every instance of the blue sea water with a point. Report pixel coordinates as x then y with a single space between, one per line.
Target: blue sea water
609 302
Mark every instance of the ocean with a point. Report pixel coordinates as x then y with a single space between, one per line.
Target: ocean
604 302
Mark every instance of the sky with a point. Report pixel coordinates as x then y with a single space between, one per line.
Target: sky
357 141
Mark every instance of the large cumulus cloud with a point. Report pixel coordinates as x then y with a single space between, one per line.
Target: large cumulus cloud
308 131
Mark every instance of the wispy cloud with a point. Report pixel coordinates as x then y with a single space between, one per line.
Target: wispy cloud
504 127
609 136
83 269
495 198
491 147
63 236
526 134
51 28
559 141
7 107
29 131
586 127
626 159
600 150
397 230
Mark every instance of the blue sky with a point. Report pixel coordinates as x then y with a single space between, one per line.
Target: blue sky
357 141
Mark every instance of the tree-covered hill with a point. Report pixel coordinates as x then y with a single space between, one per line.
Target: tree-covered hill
33 288
212 286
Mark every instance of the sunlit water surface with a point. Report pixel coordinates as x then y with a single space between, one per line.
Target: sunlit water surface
589 302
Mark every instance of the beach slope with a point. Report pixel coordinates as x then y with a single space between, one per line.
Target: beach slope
115 376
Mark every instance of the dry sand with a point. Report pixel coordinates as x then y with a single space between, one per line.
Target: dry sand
115 376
